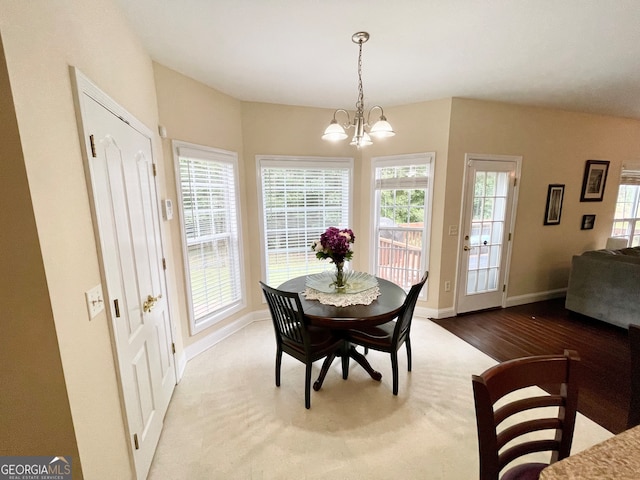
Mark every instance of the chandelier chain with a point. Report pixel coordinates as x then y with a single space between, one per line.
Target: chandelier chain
360 102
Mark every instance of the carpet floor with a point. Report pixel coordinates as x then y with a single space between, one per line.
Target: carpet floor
228 420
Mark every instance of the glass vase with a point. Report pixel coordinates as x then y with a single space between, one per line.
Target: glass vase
340 284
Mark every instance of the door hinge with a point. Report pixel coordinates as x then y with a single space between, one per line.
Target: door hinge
173 348
504 287
515 181
154 169
164 264
93 146
509 237
135 441
116 306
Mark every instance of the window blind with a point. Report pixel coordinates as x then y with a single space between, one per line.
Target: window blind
207 184
300 200
630 174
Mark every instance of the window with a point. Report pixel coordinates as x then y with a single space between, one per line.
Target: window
626 220
207 181
300 197
402 215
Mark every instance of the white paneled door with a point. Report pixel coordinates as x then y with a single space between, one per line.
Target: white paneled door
124 194
487 224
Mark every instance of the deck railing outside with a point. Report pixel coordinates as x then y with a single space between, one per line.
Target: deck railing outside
399 257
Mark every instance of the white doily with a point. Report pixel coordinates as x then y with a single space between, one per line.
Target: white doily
343 299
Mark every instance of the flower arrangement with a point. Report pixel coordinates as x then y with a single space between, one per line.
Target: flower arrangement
335 244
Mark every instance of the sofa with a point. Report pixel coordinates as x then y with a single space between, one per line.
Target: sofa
605 284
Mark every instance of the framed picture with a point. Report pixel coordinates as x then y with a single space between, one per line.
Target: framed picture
588 221
552 213
595 178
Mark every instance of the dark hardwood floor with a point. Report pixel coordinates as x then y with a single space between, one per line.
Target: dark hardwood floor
547 327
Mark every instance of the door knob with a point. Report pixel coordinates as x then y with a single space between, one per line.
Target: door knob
466 249
149 303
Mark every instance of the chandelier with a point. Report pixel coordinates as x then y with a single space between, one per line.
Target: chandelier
363 131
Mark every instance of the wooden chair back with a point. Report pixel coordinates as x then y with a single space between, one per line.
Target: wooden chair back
287 316
558 373
403 323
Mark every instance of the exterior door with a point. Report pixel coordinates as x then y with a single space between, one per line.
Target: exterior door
120 164
487 225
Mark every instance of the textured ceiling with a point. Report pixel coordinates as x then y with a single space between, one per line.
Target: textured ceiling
579 55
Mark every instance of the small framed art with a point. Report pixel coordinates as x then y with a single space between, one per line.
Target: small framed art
553 210
588 221
594 180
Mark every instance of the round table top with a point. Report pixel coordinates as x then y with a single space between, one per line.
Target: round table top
383 309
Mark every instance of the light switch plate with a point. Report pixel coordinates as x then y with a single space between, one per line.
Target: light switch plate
95 301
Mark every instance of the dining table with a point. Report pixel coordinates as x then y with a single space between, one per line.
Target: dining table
347 313
616 458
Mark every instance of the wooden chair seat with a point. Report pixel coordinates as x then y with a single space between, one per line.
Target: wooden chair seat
525 471
320 339
378 337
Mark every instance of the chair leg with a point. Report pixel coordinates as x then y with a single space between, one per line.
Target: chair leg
394 368
317 385
278 364
408 342
307 386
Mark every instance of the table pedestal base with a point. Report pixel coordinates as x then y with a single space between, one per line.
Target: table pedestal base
347 351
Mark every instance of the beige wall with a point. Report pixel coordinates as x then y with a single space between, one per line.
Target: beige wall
192 112
34 409
421 127
41 39
555 146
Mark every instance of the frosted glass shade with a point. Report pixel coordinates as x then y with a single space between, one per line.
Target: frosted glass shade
382 129
334 132
362 141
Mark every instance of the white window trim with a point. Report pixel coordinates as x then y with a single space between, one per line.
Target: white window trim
288 161
403 160
231 157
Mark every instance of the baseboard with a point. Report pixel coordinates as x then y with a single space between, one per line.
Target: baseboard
511 302
423 312
210 340
181 365
535 297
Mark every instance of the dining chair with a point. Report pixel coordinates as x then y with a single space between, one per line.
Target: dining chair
634 404
554 373
390 336
296 337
